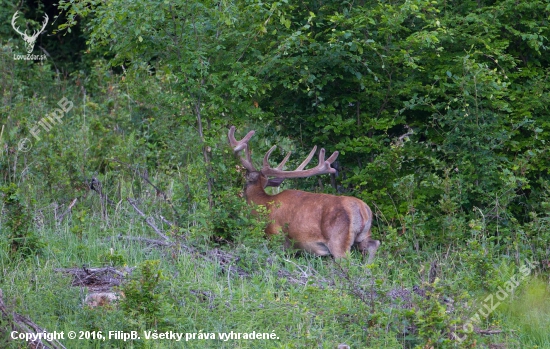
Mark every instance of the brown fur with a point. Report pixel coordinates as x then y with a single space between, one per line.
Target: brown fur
322 224
101 299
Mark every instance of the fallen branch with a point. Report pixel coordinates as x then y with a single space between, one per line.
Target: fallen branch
145 177
489 332
66 211
149 241
148 220
22 324
166 221
96 279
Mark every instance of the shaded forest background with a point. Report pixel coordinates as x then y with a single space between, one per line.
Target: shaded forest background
439 110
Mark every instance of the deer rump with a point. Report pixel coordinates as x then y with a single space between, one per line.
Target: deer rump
329 226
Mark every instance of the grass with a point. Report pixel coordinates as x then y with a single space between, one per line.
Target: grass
307 302
304 300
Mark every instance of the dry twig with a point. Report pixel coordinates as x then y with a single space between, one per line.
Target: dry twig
60 218
146 240
23 324
97 279
145 177
148 220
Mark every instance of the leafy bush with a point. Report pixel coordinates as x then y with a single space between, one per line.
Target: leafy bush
144 301
21 238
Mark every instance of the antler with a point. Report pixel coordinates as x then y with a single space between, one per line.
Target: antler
36 33
238 146
13 19
321 168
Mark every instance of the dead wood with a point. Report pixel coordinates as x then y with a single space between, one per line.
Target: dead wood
145 177
22 324
166 221
304 275
146 240
489 332
60 218
148 220
96 279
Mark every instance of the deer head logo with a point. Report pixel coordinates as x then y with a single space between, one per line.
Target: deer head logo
29 40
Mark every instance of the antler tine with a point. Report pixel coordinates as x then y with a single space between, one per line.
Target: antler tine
13 20
238 146
44 24
266 159
327 162
307 160
321 168
266 156
333 157
280 167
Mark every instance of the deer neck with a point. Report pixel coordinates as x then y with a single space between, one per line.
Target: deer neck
255 193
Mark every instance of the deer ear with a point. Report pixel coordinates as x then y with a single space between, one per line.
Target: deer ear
274 182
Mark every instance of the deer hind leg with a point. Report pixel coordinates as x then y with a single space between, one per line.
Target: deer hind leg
339 242
338 249
317 248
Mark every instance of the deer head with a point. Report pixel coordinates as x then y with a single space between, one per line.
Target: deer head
278 173
318 223
29 40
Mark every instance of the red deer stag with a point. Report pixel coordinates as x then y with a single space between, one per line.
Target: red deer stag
322 224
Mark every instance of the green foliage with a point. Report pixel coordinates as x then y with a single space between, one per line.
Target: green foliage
430 320
144 302
528 311
21 238
79 218
432 118
113 259
438 108
478 256
231 219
